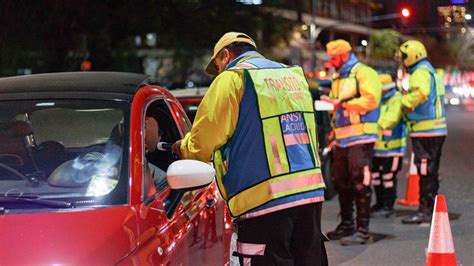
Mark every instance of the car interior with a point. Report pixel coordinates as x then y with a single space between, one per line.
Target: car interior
43 145
163 158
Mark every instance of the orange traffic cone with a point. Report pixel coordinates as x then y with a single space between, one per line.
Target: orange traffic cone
440 247
413 186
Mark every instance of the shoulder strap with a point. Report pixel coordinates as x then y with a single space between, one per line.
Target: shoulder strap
355 68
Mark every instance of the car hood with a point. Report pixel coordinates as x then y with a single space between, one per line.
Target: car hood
93 236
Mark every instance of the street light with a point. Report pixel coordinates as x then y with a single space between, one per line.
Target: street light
468 17
364 42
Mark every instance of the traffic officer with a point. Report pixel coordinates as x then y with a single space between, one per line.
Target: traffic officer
426 121
257 121
389 149
355 93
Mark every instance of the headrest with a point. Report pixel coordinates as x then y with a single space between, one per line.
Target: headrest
17 128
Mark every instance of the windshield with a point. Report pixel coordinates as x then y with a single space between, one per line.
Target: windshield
66 149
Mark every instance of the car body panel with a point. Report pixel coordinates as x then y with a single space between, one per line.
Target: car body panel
71 236
198 233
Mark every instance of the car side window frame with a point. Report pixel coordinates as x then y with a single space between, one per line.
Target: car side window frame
155 100
178 113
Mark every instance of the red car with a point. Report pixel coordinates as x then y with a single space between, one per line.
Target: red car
75 185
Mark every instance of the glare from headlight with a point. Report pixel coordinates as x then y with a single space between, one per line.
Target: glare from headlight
454 101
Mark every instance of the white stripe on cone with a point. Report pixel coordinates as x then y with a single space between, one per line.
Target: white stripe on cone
413 170
441 240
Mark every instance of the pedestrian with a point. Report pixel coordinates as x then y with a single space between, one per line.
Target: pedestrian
426 122
355 93
257 121
389 149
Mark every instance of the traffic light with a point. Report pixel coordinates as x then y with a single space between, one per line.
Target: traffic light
405 12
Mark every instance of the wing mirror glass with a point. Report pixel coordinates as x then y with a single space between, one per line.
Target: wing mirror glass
186 175
189 174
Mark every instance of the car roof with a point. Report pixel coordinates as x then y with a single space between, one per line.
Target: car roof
95 81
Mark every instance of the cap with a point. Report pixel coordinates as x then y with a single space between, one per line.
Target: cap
338 47
225 40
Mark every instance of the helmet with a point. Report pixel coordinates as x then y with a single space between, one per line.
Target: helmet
412 52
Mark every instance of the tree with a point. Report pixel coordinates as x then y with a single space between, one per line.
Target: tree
384 43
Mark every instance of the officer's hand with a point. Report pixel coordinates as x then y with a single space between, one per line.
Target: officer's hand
335 102
325 98
176 148
331 136
408 110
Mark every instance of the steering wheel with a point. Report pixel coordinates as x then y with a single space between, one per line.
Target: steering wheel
13 171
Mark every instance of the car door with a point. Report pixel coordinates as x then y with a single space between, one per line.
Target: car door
190 236
212 224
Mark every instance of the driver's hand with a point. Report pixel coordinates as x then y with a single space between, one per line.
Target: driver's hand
176 148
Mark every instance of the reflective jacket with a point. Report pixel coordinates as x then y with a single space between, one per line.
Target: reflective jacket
426 96
392 127
258 119
359 89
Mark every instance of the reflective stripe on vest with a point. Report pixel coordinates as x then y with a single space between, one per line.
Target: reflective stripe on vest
275 188
424 125
356 130
289 132
390 144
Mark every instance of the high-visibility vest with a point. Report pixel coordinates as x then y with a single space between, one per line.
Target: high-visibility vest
391 141
429 118
271 162
351 127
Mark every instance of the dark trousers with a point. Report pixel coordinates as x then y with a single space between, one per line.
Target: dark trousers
288 237
350 174
427 156
384 179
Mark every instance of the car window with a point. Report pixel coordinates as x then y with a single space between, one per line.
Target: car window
160 129
181 117
79 128
68 149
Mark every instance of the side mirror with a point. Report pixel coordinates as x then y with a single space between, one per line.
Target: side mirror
189 174
323 106
185 175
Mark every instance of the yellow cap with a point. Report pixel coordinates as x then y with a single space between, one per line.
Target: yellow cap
338 47
225 40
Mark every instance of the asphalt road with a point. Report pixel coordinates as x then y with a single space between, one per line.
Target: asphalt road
399 244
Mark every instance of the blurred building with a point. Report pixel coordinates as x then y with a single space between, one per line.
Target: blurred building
334 19
452 20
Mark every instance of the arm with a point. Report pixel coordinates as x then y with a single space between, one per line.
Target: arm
216 118
418 93
393 114
370 89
